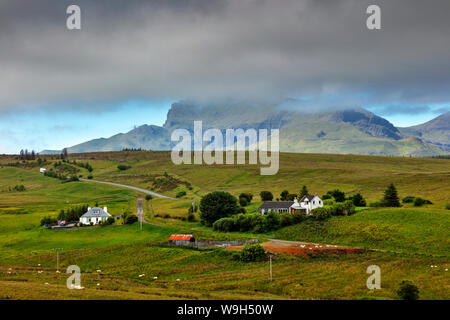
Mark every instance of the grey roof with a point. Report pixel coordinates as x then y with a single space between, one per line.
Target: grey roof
276 204
96 212
308 197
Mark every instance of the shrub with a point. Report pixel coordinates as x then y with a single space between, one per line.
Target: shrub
358 200
286 219
418 202
19 188
248 196
271 221
266 196
180 194
328 202
242 210
298 216
90 177
190 216
408 199
123 167
110 220
253 253
349 208
337 210
320 213
131 218
148 197
447 206
243 202
408 291
326 197
225 225
217 205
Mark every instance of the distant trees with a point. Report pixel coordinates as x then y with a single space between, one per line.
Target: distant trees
217 205
180 194
64 154
283 195
19 188
25 155
266 196
390 198
72 214
48 220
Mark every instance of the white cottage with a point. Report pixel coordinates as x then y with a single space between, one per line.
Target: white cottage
306 204
95 215
42 170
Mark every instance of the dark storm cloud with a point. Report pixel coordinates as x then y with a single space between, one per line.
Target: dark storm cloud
255 50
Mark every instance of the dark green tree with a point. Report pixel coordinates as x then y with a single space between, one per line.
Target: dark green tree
266 195
408 291
283 195
303 192
358 200
217 205
390 198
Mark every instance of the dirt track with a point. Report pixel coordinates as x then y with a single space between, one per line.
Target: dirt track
304 249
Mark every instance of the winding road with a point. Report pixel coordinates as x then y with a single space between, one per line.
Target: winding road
130 187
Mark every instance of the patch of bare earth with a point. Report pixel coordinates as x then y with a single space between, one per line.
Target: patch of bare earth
304 249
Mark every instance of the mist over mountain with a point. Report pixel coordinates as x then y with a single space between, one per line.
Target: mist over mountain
355 130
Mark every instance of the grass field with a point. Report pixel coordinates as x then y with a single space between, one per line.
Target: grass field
409 240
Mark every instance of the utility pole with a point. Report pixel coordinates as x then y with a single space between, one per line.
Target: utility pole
270 259
57 258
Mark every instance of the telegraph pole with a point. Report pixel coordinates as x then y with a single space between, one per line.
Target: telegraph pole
57 258
270 263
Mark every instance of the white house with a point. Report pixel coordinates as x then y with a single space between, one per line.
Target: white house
42 170
95 215
310 202
306 204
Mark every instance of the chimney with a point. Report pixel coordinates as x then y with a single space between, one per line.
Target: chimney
89 208
105 209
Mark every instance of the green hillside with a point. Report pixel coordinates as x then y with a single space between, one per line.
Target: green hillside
404 242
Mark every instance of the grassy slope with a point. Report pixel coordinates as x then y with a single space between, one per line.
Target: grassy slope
120 252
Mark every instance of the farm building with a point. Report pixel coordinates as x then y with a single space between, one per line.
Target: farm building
181 239
306 204
42 170
95 215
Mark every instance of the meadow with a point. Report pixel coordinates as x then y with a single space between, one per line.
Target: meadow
405 242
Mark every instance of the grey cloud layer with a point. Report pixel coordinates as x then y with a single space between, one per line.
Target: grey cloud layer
241 49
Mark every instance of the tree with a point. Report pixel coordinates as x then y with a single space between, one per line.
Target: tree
408 291
217 205
358 200
248 196
283 195
243 202
303 192
64 153
266 195
390 198
291 197
338 195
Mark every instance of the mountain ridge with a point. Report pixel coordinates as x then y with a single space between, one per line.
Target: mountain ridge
353 130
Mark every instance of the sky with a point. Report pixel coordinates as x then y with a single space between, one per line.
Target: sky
132 59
